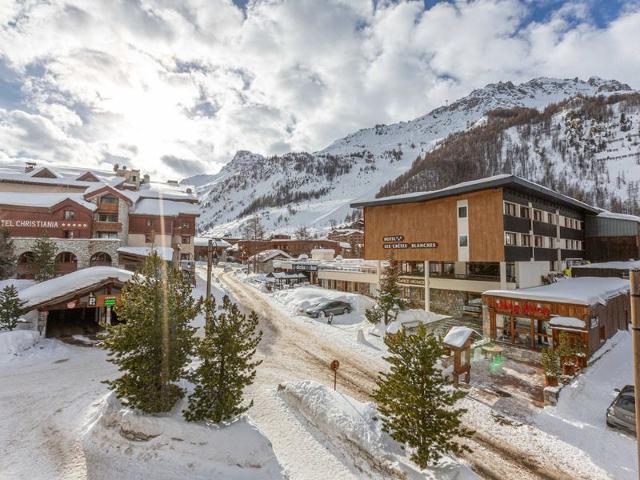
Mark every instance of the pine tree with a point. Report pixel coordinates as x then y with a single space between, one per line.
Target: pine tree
416 400
388 301
302 233
153 344
43 262
7 255
253 229
227 367
11 307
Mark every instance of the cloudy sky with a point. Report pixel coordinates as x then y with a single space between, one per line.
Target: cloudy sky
176 87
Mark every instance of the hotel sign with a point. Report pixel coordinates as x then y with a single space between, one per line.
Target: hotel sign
19 223
397 242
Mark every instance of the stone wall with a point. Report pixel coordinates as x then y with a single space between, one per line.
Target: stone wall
448 302
82 248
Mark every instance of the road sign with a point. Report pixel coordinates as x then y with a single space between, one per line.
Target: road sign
109 302
334 366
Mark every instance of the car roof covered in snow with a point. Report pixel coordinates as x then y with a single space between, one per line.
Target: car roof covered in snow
579 291
66 284
504 180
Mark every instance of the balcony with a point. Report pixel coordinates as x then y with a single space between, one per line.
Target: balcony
107 226
108 208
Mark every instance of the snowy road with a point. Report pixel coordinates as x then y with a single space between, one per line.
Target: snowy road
293 351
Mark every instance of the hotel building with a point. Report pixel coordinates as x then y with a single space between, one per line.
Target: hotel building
453 244
96 218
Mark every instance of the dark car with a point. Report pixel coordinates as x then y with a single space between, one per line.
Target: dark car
621 413
323 309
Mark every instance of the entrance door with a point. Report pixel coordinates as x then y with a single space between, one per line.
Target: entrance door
68 322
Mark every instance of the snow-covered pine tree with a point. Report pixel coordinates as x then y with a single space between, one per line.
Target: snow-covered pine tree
227 367
11 307
388 301
417 401
7 255
43 261
152 345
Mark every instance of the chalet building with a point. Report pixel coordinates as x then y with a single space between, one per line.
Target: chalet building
501 232
351 236
588 309
244 249
92 215
201 248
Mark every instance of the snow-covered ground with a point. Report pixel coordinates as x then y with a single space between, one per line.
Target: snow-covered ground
579 417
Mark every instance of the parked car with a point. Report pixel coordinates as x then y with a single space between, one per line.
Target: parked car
621 413
323 309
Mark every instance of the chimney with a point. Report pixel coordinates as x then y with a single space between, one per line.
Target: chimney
29 167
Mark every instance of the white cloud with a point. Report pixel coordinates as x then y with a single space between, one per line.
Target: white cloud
195 80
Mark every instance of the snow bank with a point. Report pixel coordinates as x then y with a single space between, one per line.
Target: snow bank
356 429
410 319
299 299
13 343
122 443
580 290
579 417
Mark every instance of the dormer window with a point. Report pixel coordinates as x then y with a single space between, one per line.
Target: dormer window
69 214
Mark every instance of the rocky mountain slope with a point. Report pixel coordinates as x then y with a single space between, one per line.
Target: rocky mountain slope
315 189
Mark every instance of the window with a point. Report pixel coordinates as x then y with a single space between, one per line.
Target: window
510 209
69 234
462 212
538 241
510 238
185 225
551 218
579 225
552 242
524 212
108 200
107 217
186 239
463 241
149 222
106 235
148 238
69 214
537 216
185 256
525 240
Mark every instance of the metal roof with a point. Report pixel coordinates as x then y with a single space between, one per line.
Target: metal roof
506 180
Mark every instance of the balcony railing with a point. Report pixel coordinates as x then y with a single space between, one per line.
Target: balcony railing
108 208
471 276
107 226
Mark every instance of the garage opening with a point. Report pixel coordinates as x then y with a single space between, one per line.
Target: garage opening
77 321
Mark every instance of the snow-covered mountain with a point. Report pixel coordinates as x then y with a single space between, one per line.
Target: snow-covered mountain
314 189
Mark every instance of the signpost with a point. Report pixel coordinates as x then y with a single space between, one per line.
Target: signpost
334 366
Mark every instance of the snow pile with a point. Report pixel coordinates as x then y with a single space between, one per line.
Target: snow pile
356 429
121 443
13 343
579 416
567 322
410 319
458 336
580 290
299 299
60 286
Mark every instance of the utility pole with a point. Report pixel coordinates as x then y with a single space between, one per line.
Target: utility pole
634 277
209 266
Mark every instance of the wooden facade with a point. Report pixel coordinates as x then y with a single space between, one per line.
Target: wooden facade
526 322
26 221
435 221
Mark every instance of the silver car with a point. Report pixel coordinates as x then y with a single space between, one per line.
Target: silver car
621 413
323 309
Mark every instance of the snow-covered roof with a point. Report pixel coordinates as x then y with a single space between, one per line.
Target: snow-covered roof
66 284
267 255
474 185
42 200
19 284
166 191
579 291
166 208
567 322
619 216
204 241
622 265
458 336
166 253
